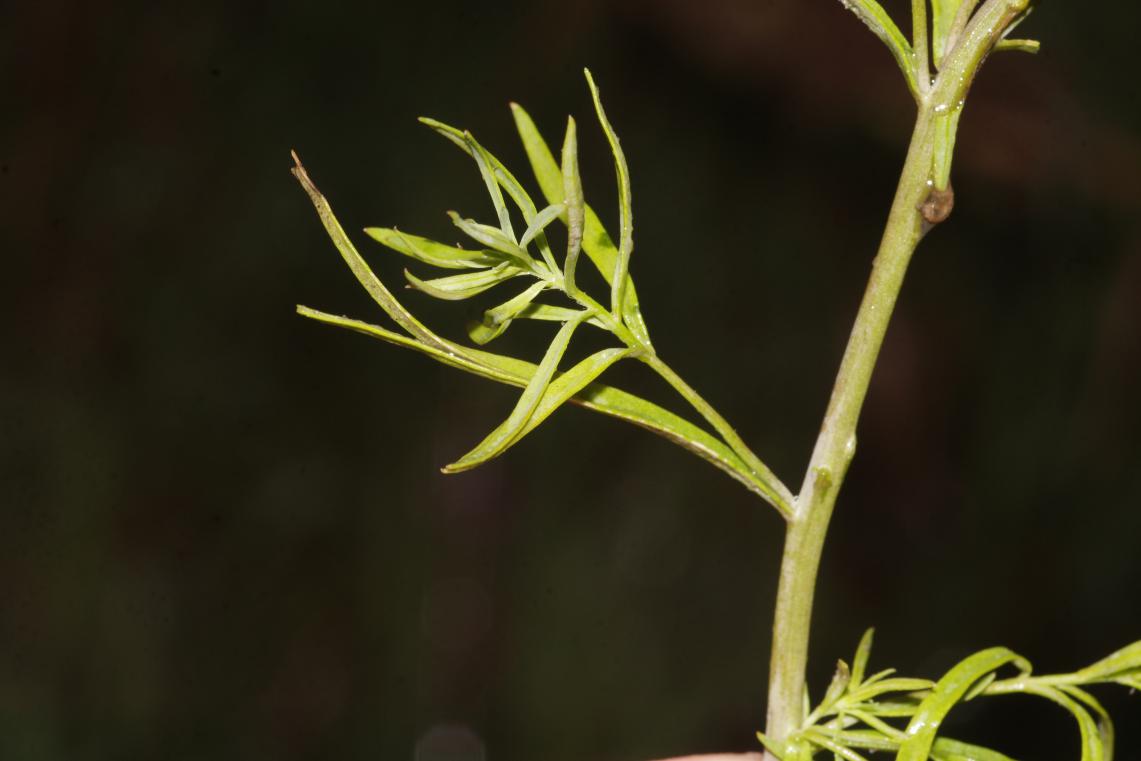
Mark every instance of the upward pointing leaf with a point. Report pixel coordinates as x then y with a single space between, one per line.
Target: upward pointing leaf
625 209
595 241
876 18
496 320
943 13
860 662
1124 663
572 200
505 435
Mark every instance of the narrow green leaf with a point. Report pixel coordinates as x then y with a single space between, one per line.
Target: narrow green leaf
877 19
1104 722
822 740
357 265
1019 46
946 130
946 694
596 242
492 237
466 142
946 749
572 382
431 252
1126 662
483 161
625 207
597 396
860 661
891 709
551 313
461 139
497 319
458 287
1093 747
944 13
878 676
539 223
867 739
500 439
836 688
870 690
572 200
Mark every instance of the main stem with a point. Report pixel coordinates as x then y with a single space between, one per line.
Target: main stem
836 444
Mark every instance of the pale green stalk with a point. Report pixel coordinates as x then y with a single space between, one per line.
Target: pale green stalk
836 444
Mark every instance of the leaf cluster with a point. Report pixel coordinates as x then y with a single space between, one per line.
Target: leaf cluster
549 291
887 713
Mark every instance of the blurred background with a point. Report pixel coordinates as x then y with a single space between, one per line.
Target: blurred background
223 533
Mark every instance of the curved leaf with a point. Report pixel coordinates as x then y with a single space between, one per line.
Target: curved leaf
497 320
946 693
625 207
1123 664
947 749
572 201
503 176
943 15
540 222
504 435
1093 746
458 287
596 241
431 252
877 19
863 653
492 237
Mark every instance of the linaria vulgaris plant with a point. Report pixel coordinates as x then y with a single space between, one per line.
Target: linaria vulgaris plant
860 712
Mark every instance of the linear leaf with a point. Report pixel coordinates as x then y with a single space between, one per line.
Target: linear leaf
492 237
944 13
877 19
1123 663
1020 46
625 207
483 161
597 396
860 661
551 313
1104 722
497 319
596 242
1093 747
431 252
465 141
357 265
504 435
572 201
570 383
949 691
545 217
946 749
871 690
458 287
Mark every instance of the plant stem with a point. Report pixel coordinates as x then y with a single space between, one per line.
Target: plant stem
836 444
721 425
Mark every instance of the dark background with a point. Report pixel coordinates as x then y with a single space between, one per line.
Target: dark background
223 533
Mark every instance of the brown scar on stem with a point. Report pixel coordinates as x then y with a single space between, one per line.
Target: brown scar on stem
937 206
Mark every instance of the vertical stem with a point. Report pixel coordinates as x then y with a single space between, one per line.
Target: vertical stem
920 45
837 443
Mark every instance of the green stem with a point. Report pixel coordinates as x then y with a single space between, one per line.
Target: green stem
837 443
